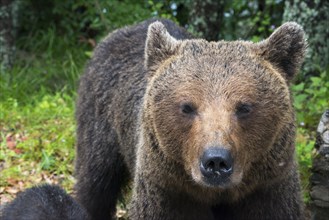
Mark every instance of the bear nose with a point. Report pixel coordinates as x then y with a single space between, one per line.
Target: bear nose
216 165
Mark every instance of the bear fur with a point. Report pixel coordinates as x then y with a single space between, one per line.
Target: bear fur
43 202
153 99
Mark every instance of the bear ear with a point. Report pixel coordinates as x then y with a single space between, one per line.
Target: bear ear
160 45
285 49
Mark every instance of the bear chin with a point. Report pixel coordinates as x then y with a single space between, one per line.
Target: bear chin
216 183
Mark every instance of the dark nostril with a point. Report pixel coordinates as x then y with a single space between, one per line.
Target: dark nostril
216 161
223 166
210 166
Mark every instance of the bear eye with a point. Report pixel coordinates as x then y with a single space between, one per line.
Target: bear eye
243 110
188 108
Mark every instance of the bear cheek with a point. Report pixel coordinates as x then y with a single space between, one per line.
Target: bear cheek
179 137
243 154
173 134
255 138
192 152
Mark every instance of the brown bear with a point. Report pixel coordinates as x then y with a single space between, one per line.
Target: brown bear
205 129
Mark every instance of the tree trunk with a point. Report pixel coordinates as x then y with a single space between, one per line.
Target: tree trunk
320 172
206 18
7 33
314 17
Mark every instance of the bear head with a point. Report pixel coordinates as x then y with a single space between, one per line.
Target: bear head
221 108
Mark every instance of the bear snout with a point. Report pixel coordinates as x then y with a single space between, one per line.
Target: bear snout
216 165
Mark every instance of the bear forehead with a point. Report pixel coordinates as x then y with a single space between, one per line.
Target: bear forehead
236 58
220 69
237 49
212 61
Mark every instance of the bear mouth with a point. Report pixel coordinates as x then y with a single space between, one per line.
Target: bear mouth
216 177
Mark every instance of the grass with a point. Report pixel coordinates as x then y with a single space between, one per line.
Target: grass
37 141
37 125
37 136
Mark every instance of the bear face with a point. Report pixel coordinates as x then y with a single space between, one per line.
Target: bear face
218 108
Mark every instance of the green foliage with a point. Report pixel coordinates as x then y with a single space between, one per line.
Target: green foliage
51 63
254 20
248 20
311 99
87 18
304 148
95 18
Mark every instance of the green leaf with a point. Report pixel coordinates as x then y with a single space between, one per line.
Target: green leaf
298 87
89 54
316 81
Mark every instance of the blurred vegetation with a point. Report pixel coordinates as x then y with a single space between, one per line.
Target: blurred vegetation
55 38
313 16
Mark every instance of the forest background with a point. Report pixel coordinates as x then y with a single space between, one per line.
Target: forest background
45 44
